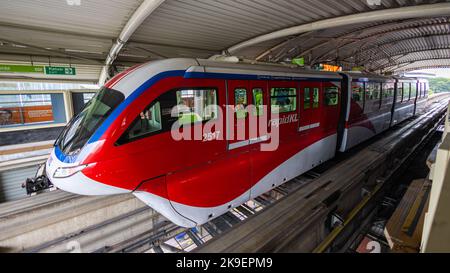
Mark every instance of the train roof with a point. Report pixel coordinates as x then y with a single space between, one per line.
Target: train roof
276 70
147 73
406 79
364 77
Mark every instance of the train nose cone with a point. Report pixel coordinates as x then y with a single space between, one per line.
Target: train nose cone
78 183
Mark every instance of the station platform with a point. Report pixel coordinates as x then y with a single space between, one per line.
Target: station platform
12 154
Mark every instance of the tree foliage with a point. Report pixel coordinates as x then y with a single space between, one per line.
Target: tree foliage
438 85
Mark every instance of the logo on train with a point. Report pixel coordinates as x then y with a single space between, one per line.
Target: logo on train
285 120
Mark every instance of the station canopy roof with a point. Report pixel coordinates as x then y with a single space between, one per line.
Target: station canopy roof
388 35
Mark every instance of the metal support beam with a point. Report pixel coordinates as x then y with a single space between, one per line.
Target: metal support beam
420 11
368 38
401 54
368 50
399 64
53 51
141 13
423 67
280 45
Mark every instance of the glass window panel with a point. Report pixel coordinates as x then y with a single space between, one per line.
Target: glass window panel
406 91
31 108
196 105
414 90
357 91
307 98
240 102
399 92
316 98
331 96
388 90
83 126
149 121
258 100
283 99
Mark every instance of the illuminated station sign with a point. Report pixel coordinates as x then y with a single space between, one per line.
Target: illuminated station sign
328 67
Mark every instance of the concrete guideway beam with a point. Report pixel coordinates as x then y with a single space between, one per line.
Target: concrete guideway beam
142 12
419 11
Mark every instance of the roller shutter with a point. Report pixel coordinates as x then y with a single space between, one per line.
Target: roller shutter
11 181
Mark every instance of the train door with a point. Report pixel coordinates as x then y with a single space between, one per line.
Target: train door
310 106
238 116
237 133
331 109
261 156
258 115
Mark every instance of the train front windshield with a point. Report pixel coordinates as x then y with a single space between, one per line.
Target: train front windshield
83 126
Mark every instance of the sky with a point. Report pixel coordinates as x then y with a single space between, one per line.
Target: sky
441 72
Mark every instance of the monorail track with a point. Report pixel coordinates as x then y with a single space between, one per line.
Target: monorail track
62 222
302 222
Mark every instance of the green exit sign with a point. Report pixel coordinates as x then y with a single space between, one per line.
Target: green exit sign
59 70
11 68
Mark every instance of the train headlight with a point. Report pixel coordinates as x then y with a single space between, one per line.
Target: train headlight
63 172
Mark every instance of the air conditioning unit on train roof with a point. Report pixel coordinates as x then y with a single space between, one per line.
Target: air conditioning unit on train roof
224 58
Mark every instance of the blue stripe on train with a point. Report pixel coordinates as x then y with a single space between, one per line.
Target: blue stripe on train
174 73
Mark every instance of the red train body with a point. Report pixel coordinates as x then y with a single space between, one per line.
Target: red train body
123 140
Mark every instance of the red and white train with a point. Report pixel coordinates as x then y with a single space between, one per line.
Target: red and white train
121 142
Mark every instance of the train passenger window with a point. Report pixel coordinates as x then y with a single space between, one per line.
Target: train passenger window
258 101
357 89
196 105
388 90
185 106
316 97
406 91
369 90
283 99
372 91
331 96
307 98
240 102
399 92
376 91
413 90
149 121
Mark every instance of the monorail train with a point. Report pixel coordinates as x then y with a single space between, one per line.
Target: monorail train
122 141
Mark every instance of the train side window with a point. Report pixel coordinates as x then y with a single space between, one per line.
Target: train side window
316 97
331 96
399 92
149 121
240 102
373 91
369 91
183 105
406 91
376 91
388 90
357 90
196 105
306 98
283 99
258 101
413 90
